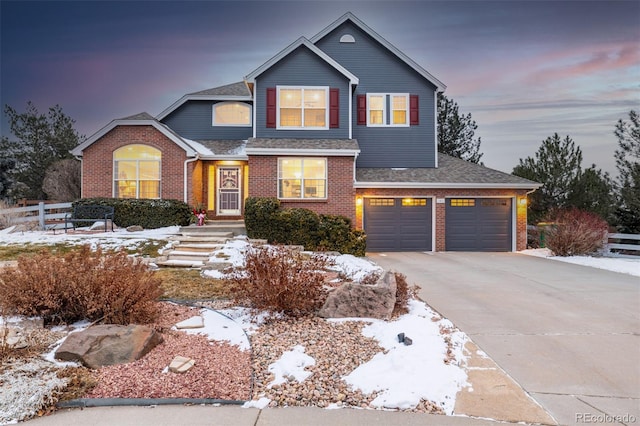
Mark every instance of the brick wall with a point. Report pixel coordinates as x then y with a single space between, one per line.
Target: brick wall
521 209
263 182
97 162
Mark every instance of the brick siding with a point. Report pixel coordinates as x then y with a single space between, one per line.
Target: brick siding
97 162
263 182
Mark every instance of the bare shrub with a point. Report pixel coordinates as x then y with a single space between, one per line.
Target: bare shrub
371 278
113 287
576 232
8 218
404 293
280 280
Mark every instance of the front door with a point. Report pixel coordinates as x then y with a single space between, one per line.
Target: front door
228 191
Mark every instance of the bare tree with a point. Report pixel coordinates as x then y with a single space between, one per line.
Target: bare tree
62 180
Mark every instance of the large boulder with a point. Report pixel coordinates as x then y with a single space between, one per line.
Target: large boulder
108 344
361 300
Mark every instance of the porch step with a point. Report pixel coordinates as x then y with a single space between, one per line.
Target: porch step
180 263
198 246
235 227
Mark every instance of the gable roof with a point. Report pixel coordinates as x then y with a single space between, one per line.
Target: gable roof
302 41
140 119
364 27
450 173
230 92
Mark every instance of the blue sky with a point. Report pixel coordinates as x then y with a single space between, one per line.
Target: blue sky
523 69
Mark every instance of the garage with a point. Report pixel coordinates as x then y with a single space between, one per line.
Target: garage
398 224
478 224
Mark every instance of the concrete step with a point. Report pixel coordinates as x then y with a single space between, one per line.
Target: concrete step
235 227
180 263
203 239
188 255
201 247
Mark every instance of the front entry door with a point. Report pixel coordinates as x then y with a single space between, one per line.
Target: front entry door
228 189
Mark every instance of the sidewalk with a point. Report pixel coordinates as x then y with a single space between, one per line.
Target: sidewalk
172 415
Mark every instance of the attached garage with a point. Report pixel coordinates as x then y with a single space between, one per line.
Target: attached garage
398 224
478 224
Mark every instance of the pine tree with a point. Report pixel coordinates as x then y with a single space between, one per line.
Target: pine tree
557 165
628 164
456 132
593 191
41 141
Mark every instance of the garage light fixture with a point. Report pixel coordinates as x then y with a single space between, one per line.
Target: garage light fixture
358 201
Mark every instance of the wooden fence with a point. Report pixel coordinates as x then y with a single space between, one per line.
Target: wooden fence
47 216
625 245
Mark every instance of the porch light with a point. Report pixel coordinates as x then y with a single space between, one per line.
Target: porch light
358 201
523 201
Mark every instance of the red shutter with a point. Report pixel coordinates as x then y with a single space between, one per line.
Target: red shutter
271 107
414 116
334 108
361 101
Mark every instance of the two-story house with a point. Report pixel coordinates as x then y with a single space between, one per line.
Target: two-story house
341 123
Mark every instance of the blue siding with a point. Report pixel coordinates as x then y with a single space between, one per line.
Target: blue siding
193 120
302 68
380 71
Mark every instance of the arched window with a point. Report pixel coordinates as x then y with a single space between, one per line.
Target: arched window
136 172
231 114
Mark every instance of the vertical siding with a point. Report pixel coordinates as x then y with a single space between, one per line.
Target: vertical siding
302 68
380 71
193 120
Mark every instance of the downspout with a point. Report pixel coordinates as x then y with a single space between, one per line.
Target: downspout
186 162
79 158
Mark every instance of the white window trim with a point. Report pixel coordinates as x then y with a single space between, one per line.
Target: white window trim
137 179
302 192
243 104
388 117
326 108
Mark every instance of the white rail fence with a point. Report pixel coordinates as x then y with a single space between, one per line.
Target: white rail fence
624 245
47 216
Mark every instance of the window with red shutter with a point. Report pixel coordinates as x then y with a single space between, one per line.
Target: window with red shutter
334 108
361 102
271 107
414 116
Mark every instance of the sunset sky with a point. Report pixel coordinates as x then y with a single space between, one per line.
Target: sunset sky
523 69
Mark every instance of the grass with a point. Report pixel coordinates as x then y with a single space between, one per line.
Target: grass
13 251
188 284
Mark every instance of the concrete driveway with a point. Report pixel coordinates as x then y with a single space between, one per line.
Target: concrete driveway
568 334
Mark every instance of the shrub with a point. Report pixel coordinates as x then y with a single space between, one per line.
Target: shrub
280 280
83 284
403 294
576 232
264 218
150 214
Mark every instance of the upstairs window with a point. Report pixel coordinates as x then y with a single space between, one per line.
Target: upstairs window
232 114
387 109
136 171
302 178
302 107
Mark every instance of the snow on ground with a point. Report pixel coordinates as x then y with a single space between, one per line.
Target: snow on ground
623 265
291 365
403 374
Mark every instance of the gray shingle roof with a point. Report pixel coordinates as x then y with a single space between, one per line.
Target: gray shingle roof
233 89
303 144
224 147
450 170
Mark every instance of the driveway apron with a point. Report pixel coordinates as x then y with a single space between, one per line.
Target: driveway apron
568 334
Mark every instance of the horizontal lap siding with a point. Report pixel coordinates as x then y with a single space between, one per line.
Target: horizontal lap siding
263 182
194 120
97 161
302 68
379 71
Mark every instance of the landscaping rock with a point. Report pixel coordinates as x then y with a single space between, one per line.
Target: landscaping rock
193 322
362 301
108 345
135 228
13 337
181 364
